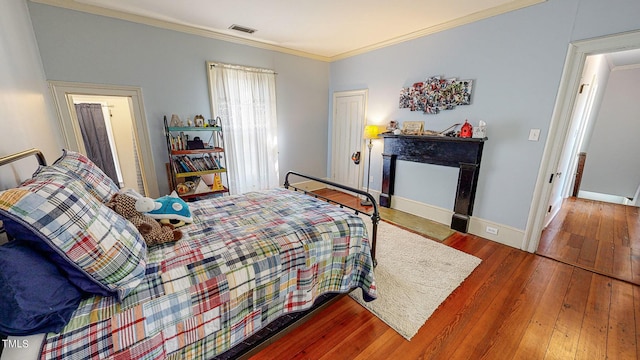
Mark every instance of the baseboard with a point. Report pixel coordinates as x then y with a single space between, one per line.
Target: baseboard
615 199
434 213
506 235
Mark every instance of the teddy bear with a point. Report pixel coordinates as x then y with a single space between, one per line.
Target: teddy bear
152 231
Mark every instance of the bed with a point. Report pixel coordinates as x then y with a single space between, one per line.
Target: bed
245 263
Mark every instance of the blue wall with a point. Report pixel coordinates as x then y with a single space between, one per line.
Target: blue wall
170 68
515 59
516 62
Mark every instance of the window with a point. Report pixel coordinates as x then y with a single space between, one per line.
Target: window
245 99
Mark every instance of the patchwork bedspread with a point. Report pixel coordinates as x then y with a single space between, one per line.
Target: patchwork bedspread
245 261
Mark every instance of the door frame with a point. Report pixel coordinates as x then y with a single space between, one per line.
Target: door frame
560 121
364 93
62 93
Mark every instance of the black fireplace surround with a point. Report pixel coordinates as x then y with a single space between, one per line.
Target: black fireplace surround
463 153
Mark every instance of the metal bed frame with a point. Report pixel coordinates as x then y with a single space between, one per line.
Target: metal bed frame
375 215
17 156
23 154
287 323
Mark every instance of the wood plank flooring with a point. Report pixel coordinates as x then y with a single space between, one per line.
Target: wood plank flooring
596 236
515 305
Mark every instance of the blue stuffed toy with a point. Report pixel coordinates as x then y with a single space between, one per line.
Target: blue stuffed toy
169 209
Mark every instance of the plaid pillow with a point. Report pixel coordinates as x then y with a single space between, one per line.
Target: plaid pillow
85 238
77 166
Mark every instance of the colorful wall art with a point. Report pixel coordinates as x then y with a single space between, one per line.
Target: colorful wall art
436 94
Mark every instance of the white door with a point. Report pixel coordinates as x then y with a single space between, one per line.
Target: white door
349 113
564 177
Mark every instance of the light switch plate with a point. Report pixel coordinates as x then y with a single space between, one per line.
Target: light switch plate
534 134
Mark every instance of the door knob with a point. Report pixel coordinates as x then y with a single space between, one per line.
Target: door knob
356 157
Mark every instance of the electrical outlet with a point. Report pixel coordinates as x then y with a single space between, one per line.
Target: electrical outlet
371 178
491 230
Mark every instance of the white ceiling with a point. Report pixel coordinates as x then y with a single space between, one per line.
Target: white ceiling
323 29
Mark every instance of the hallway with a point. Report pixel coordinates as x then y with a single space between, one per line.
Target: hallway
596 236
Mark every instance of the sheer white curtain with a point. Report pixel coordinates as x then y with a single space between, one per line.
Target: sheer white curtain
245 99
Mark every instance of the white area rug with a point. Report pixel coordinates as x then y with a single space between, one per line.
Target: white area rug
414 276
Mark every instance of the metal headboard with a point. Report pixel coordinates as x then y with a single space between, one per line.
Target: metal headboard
17 156
23 154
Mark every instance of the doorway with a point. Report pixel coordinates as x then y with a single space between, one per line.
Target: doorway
347 148
107 135
124 114
564 140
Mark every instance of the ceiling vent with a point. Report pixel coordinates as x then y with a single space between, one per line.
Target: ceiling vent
243 29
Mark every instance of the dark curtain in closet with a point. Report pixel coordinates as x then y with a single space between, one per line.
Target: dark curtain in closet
96 140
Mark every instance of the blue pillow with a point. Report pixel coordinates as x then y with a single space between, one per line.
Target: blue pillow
34 296
72 273
89 240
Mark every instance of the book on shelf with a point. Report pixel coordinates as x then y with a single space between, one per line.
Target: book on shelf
178 142
217 161
189 163
183 166
184 163
201 164
210 162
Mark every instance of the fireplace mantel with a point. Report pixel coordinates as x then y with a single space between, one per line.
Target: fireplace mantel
463 153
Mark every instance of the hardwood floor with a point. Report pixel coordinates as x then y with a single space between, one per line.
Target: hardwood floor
515 305
596 236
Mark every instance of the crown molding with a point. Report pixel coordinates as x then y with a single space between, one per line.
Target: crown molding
498 10
96 10
188 29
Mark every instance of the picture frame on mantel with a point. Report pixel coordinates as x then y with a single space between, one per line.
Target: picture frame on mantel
412 127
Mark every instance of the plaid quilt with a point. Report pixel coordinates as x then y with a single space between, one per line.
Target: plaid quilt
245 261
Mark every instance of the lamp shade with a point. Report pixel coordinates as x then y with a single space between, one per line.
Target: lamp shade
370 132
